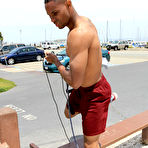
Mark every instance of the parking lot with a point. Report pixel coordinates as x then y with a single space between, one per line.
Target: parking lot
37 116
38 120
130 56
117 58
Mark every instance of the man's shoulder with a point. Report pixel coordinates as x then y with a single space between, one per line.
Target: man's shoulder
81 31
84 27
79 38
83 34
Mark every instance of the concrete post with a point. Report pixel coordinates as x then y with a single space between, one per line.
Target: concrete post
9 131
145 135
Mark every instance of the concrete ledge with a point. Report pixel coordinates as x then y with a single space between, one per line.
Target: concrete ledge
120 131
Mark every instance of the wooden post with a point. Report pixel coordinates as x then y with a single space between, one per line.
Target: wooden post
9 131
145 135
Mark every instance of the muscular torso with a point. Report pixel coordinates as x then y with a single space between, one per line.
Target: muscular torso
94 61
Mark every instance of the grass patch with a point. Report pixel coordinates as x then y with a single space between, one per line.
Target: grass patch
5 85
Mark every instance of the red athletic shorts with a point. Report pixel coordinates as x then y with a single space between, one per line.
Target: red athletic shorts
92 102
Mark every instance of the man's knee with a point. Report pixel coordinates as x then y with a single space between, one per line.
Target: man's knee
91 141
66 112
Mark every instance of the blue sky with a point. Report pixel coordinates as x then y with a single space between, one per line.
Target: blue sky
26 20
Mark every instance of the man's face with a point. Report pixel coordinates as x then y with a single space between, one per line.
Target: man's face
58 13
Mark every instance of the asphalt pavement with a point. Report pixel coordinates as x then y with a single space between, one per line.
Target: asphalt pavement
37 113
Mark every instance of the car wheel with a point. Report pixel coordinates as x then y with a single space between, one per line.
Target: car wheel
45 69
67 66
116 48
39 58
11 61
125 48
108 48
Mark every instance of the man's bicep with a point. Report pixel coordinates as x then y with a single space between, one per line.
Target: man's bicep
78 45
78 67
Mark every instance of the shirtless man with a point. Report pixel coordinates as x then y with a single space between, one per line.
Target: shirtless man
91 94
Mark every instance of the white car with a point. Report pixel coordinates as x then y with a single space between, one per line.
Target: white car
117 45
50 45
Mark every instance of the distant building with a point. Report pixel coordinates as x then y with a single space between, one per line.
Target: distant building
60 40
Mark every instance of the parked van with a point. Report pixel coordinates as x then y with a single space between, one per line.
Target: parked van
50 45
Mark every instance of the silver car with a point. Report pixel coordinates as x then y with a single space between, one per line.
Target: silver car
7 48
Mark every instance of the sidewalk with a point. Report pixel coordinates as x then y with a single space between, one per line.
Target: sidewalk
132 141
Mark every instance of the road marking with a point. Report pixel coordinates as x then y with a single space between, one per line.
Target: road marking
29 117
19 111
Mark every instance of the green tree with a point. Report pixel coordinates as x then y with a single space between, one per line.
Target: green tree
1 37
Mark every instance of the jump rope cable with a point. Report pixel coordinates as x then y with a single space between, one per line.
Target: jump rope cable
64 89
50 88
71 124
77 146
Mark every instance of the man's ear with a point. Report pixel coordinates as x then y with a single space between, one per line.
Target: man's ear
68 3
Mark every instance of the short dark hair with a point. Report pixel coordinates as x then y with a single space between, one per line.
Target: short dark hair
46 1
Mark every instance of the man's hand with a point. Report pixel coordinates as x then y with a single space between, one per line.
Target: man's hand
51 58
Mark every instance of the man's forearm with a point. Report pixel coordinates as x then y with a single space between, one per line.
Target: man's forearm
66 74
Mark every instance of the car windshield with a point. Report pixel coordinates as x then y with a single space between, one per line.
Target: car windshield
5 47
115 42
62 53
20 45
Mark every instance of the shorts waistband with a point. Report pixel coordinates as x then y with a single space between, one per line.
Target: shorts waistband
94 85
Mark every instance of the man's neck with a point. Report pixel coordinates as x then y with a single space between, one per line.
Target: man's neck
73 20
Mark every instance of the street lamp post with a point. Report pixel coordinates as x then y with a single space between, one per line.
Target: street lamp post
20 35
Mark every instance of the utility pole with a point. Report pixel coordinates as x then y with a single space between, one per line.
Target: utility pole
107 31
120 36
20 35
45 35
138 34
